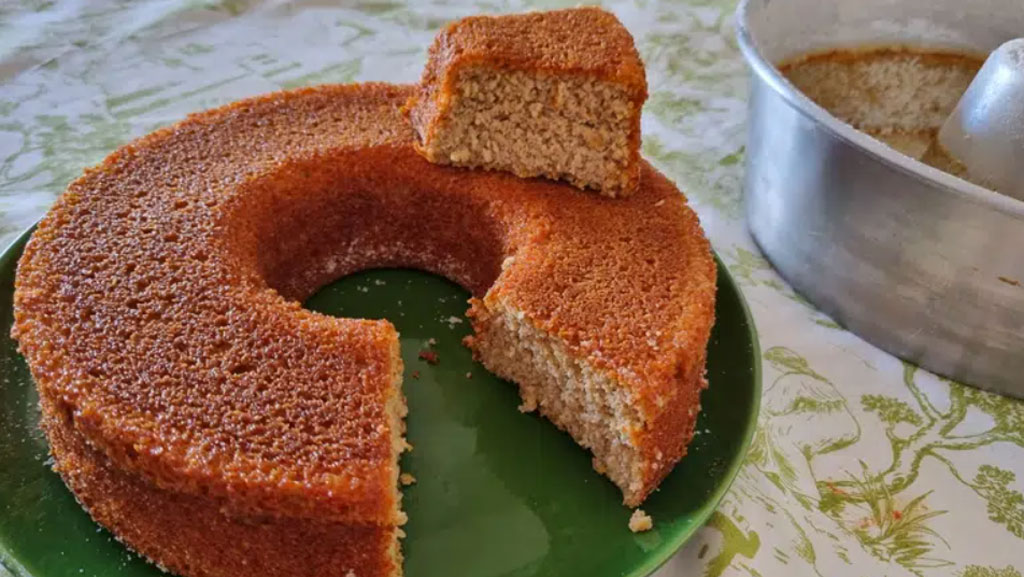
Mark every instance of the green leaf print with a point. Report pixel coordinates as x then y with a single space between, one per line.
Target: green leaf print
230 7
895 534
879 508
831 503
694 173
788 360
378 6
891 411
734 542
816 405
669 108
61 148
979 571
1005 506
1007 413
732 159
935 432
341 72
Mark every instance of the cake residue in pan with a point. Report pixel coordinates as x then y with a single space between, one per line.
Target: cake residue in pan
899 95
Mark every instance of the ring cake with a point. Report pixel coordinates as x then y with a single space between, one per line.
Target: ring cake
215 426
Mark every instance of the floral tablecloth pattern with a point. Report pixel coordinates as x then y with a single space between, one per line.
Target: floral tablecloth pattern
862 465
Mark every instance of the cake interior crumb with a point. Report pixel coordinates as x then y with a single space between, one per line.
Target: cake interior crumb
534 124
640 521
586 402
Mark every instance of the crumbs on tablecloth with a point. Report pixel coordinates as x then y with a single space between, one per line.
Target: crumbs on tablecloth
430 357
406 479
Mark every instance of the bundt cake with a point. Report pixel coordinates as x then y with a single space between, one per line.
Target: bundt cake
555 94
215 426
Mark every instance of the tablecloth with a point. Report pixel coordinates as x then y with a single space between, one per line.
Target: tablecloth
861 465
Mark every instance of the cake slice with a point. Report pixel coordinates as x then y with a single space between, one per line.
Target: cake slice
553 94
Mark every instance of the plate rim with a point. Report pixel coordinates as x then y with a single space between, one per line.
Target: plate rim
655 561
10 566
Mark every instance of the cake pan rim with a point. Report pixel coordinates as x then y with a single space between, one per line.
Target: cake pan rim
874 148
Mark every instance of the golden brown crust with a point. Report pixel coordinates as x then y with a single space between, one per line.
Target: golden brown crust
586 41
178 359
158 304
190 535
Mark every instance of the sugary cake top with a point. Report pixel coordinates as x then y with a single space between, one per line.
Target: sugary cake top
159 300
585 40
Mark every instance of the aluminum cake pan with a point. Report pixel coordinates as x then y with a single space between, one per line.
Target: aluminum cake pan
922 264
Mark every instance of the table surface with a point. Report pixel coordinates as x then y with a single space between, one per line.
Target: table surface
862 465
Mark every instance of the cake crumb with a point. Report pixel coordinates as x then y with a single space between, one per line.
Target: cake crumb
528 405
431 342
406 446
430 357
415 374
406 479
469 375
640 521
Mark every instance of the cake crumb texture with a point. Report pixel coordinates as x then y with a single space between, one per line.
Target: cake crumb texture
640 521
553 94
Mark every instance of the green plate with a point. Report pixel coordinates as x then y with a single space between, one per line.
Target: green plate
499 493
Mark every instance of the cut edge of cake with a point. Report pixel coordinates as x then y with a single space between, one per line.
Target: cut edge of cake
598 411
538 124
397 409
